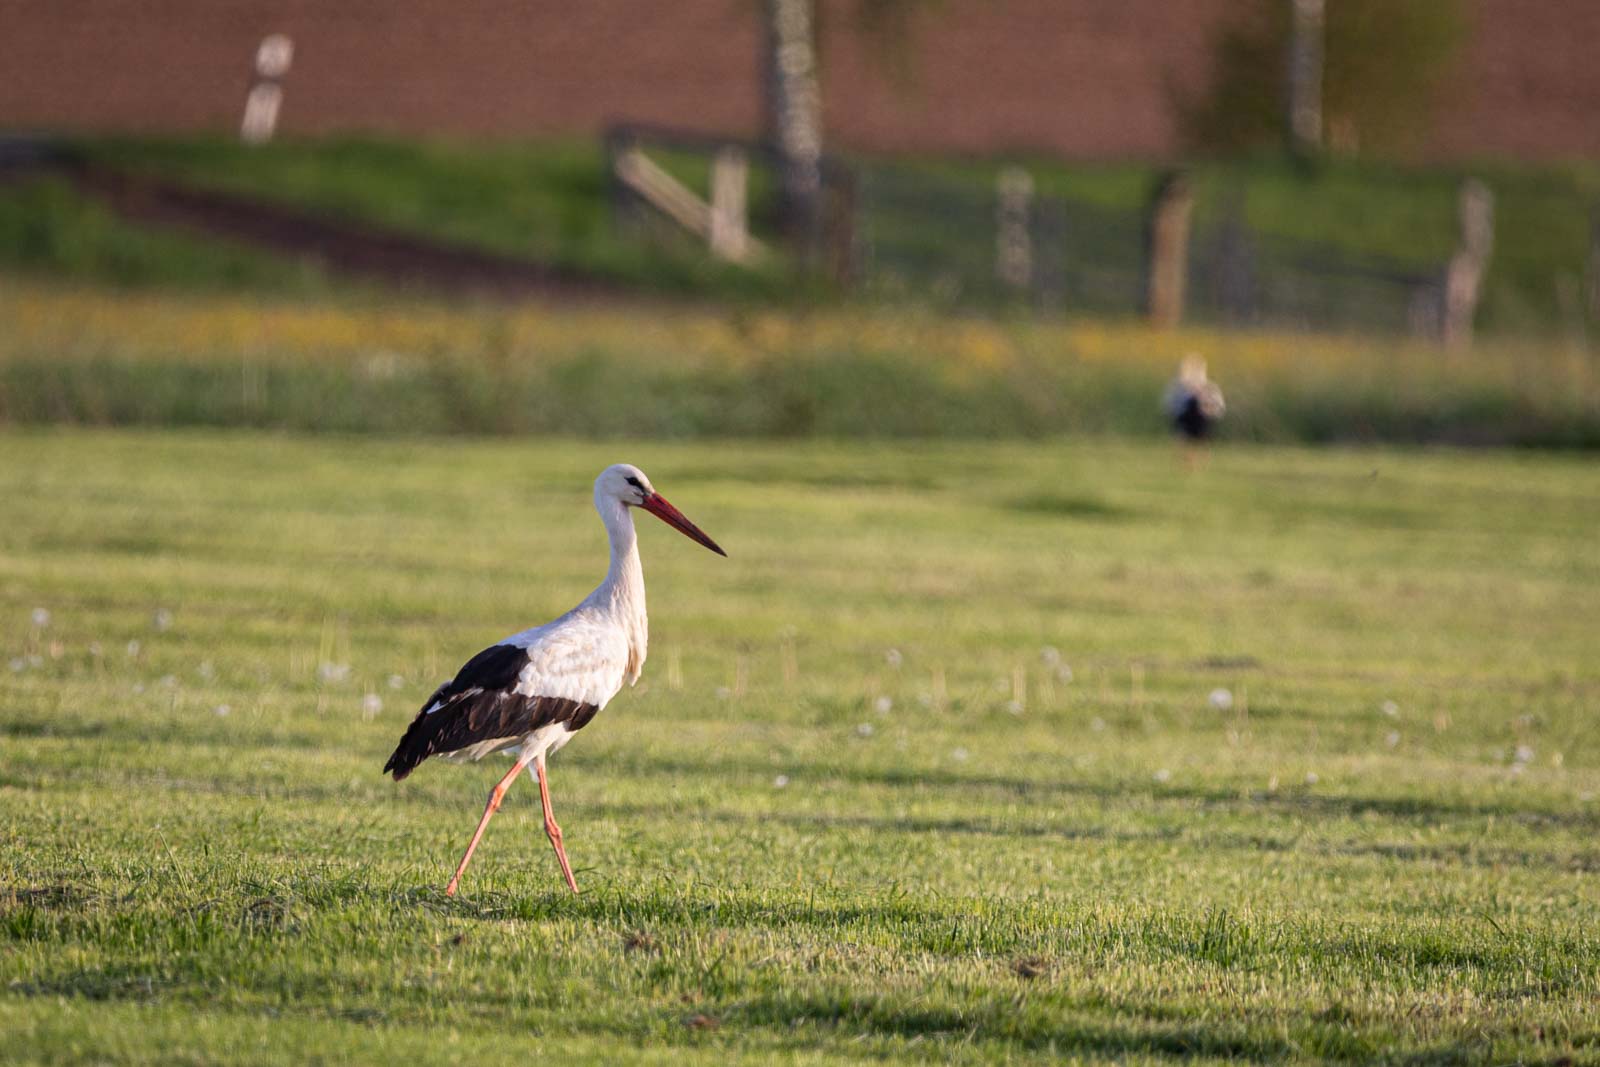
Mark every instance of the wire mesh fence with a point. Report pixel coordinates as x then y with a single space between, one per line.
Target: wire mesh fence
990 241
957 242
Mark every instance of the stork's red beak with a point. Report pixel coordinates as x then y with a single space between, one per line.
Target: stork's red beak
657 505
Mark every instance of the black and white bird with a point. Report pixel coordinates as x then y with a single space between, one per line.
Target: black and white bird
531 692
1193 402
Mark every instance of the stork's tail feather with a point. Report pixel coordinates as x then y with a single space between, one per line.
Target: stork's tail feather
413 748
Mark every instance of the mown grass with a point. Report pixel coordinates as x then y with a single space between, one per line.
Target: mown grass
968 752
102 357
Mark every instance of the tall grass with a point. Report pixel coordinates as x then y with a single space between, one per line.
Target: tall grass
99 358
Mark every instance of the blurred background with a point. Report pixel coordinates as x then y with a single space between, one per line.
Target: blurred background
876 217
1008 731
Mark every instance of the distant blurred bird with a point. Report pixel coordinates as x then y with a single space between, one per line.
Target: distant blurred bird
1193 402
531 692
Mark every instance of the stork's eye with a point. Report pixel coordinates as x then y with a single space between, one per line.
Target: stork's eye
634 482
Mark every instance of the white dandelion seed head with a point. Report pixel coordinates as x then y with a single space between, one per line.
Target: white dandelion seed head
925 699
1220 699
1064 674
161 620
168 681
41 617
138 688
206 670
35 660
960 755
1392 738
883 705
1014 707
95 650
893 658
1163 775
1050 656
723 692
1097 724
222 711
333 672
396 682
19 665
134 648
1523 754
1390 708
780 781
371 705
866 729
1311 778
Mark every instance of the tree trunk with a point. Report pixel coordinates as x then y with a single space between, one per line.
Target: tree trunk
794 115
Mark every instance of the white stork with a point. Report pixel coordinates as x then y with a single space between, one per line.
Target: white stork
531 692
1193 401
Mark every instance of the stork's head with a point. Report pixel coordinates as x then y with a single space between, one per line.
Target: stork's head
627 485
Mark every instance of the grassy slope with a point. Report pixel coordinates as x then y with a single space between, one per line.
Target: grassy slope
548 199
200 861
50 230
544 201
87 355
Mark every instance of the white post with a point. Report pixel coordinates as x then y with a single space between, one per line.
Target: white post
1306 37
730 236
1013 242
1463 278
265 100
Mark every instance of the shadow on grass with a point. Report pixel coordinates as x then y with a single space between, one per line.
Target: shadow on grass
1290 801
1072 507
1032 1027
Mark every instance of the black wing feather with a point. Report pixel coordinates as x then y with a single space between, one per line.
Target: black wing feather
480 704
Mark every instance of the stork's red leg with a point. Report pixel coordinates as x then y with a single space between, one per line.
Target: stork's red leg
550 827
495 797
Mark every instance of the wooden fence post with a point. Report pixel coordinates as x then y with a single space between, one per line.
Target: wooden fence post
1594 265
1463 277
730 235
265 99
1013 262
1049 244
1167 249
839 225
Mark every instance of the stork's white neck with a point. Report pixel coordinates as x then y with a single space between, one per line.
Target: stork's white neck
621 595
625 571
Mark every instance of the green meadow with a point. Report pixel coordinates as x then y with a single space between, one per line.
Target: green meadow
971 752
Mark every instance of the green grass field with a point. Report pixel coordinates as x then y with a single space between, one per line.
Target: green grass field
934 767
